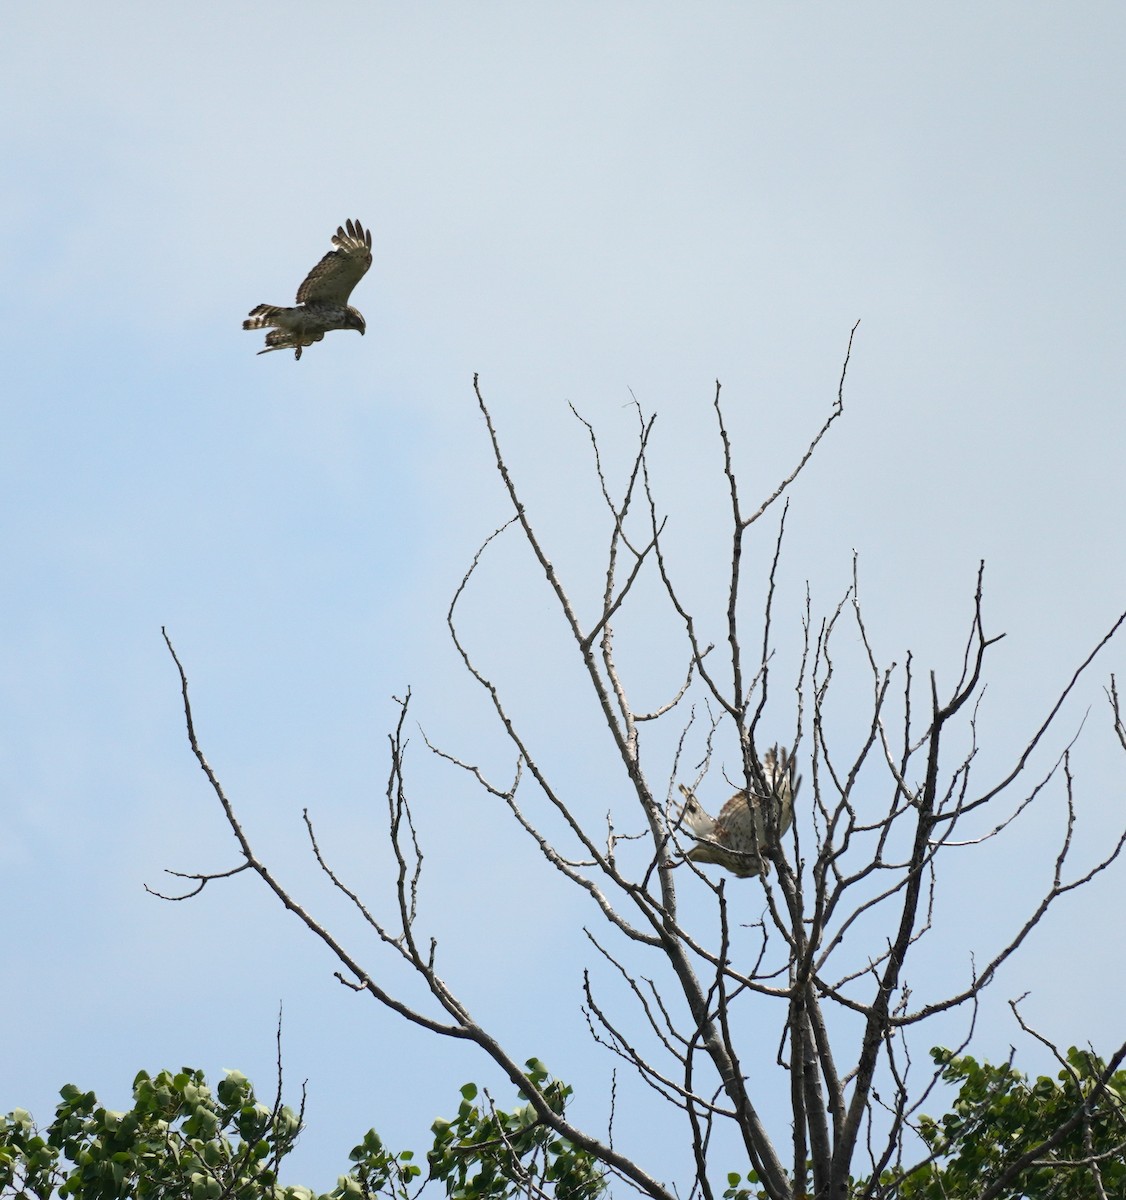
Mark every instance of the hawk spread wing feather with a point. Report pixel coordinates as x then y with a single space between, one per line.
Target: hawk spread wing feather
739 836
331 281
322 300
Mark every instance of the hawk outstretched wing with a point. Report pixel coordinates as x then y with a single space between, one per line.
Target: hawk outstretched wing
331 281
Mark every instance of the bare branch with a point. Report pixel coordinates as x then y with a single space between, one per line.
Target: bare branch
825 900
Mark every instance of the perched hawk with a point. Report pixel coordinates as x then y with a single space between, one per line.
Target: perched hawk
729 840
322 300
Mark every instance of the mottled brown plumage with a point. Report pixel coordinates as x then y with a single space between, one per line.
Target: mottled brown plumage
731 840
322 300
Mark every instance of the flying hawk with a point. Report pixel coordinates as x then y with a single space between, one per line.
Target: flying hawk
730 840
322 300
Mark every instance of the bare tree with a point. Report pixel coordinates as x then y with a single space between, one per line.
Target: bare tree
847 888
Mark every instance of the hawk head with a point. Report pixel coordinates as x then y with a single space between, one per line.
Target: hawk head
354 320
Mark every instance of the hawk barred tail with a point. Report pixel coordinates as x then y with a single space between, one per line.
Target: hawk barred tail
286 337
322 300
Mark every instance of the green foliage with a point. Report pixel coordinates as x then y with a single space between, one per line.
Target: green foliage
999 1115
736 1190
181 1141
486 1154
178 1140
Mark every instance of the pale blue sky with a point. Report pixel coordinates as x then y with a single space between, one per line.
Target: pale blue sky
574 201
